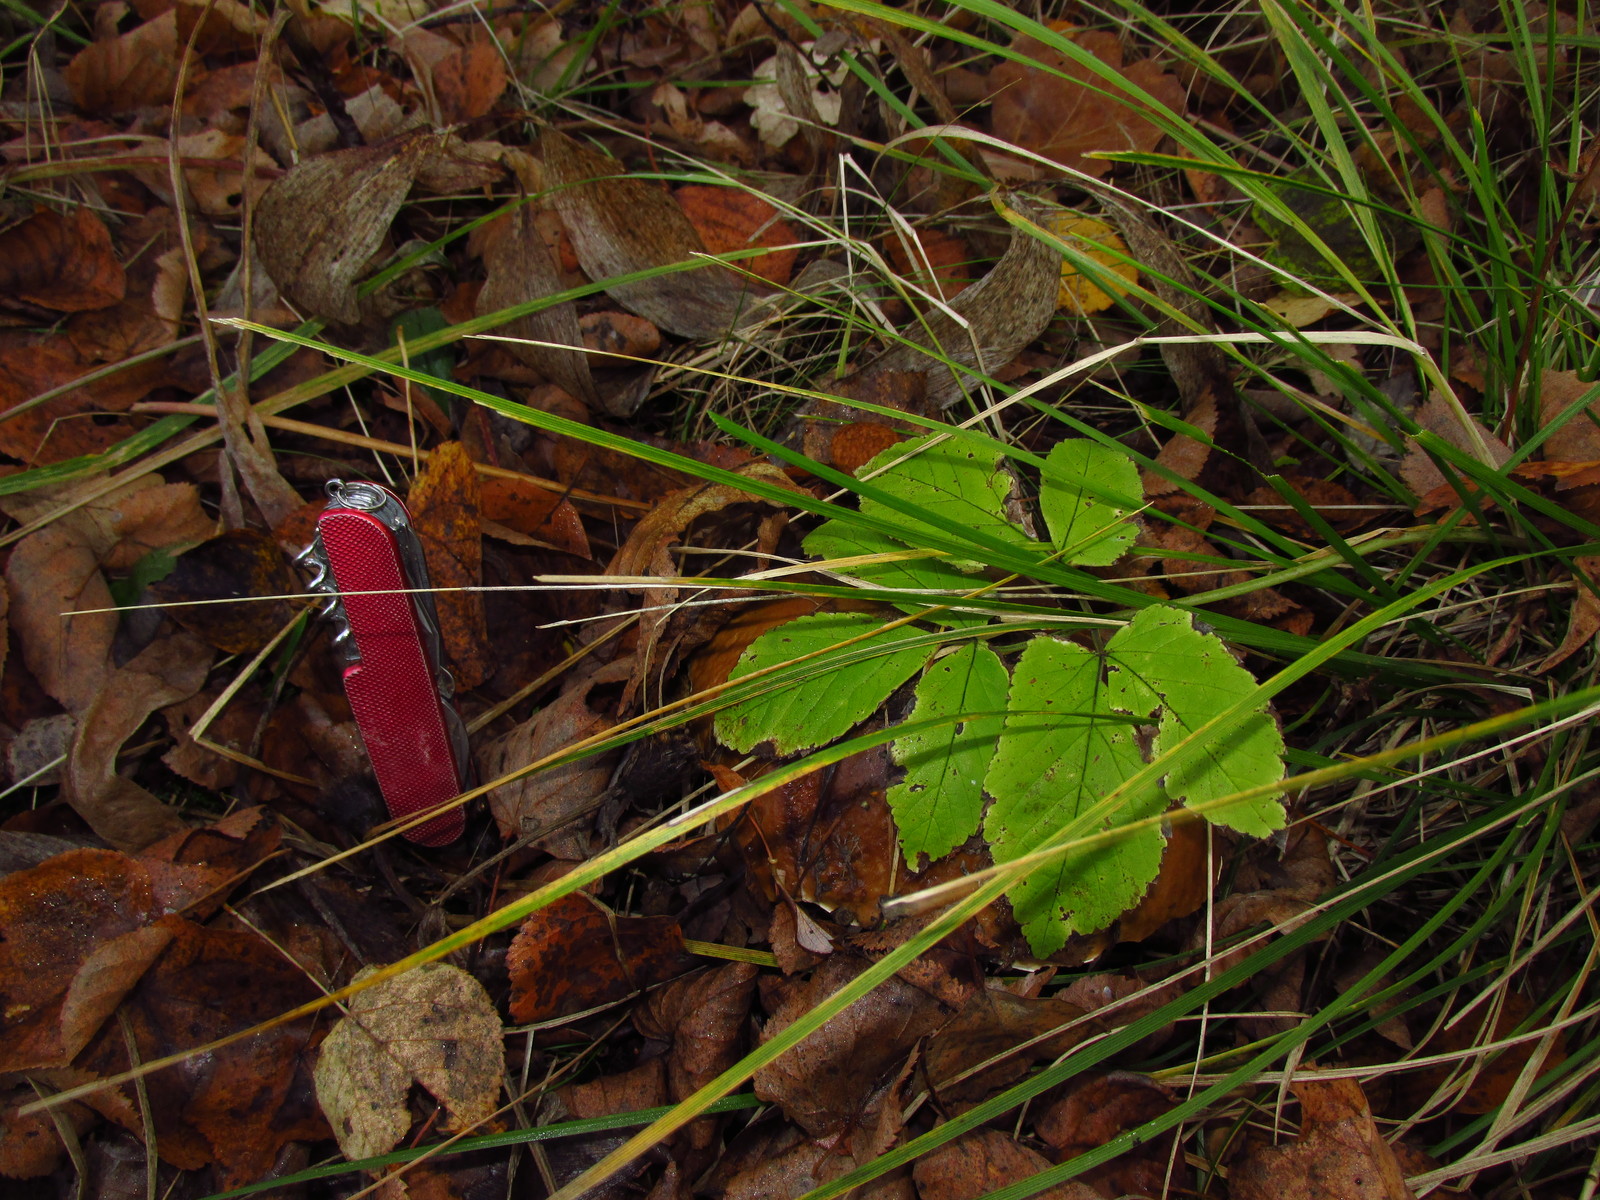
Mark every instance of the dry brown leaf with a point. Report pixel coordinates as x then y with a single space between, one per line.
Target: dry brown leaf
939 261
236 1107
552 800
1418 469
53 918
1492 1077
644 1086
1578 439
536 513
31 1146
1099 243
468 83
1069 115
119 810
237 565
434 1026
995 1022
825 1083
152 310
76 930
619 225
729 219
983 1162
76 422
827 838
444 512
519 270
1098 1108
1584 621
573 955
1004 311
704 1017
122 74
1339 1155
60 262
50 574
318 225
1181 886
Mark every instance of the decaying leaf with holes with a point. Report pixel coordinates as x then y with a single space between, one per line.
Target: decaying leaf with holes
434 1026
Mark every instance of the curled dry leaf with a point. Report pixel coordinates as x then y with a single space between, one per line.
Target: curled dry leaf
619 225
1004 311
434 1026
61 262
551 802
1063 110
573 955
318 225
1340 1153
519 270
444 512
646 551
56 572
116 808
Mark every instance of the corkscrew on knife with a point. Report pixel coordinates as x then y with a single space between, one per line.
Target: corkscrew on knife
367 558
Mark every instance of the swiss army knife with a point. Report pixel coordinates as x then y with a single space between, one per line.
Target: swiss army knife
366 556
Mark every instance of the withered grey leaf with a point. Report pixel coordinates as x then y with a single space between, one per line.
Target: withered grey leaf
520 270
1005 311
619 225
316 228
434 1026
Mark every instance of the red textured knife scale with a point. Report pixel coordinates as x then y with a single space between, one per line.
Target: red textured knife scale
391 689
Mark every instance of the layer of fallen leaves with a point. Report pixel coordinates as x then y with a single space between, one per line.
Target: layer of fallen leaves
165 876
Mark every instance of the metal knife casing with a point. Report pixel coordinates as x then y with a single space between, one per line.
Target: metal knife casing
367 556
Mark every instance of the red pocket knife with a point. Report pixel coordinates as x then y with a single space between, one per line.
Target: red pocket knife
367 556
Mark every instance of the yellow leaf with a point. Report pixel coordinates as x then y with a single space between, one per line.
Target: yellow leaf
1098 242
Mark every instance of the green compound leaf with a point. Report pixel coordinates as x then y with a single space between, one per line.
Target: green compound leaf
1066 745
940 802
798 714
1086 492
1166 663
1069 741
835 539
958 479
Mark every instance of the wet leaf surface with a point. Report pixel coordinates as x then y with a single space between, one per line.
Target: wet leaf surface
574 955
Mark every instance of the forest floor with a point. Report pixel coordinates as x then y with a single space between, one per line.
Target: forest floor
1022 583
